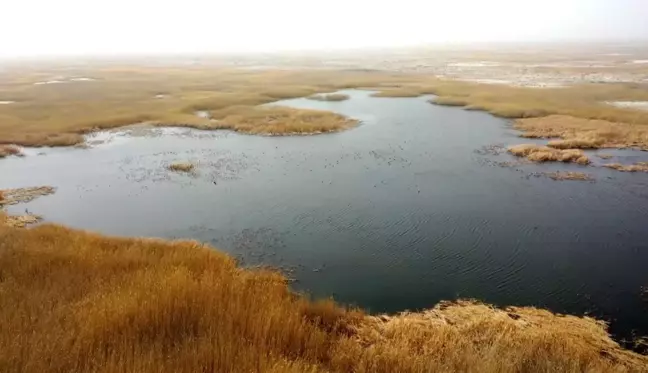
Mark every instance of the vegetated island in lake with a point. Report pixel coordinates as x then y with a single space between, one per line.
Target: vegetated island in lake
122 304
230 98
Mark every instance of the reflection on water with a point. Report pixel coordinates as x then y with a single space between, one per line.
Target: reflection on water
411 207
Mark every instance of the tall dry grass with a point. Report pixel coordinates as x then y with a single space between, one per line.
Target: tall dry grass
72 301
584 133
581 101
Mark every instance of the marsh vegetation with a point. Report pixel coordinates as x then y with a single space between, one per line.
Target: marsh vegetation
329 97
98 303
59 114
9 150
569 175
106 304
637 167
538 153
181 166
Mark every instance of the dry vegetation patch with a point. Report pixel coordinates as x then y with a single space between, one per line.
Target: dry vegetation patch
77 301
637 167
584 133
281 120
277 120
59 114
22 195
8 150
18 221
538 153
181 166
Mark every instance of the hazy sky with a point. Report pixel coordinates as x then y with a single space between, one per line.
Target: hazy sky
64 27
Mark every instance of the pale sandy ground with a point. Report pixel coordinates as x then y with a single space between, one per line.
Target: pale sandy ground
538 66
637 105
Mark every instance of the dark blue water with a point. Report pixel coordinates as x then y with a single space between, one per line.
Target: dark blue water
409 208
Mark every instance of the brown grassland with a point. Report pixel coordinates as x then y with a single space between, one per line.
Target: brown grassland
58 114
581 133
73 301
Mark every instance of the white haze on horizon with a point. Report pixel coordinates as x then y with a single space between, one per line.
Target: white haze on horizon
76 27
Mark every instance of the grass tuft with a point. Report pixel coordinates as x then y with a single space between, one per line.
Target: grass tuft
537 153
181 167
277 120
9 150
575 144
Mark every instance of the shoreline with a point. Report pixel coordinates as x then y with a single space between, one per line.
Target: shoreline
466 329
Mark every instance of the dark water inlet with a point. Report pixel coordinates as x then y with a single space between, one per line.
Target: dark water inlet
407 209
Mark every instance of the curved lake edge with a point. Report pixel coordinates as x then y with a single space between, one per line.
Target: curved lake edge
368 127
140 129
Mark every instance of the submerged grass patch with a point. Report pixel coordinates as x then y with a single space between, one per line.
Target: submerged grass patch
538 153
637 167
329 97
78 301
569 175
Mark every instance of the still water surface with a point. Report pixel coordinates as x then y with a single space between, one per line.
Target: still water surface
409 208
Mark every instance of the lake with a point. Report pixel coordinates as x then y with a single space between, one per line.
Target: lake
413 206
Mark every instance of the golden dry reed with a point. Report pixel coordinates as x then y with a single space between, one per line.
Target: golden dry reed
181 167
538 153
73 301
